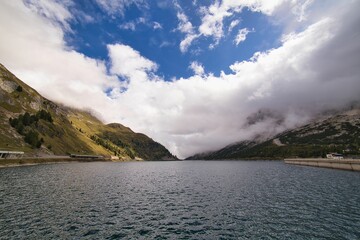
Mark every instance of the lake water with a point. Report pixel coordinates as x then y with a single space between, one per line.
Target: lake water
179 200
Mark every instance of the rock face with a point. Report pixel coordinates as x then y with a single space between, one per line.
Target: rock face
337 133
70 131
8 86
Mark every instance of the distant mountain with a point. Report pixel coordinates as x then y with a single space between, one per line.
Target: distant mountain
338 133
38 126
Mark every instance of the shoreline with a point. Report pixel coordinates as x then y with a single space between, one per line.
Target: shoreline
31 161
17 162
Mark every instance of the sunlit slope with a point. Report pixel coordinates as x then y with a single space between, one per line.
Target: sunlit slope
69 131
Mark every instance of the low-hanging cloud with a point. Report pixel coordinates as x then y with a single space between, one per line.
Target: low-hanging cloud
313 70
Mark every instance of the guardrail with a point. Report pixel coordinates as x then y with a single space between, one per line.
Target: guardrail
10 154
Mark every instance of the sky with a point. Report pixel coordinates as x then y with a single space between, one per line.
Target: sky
193 75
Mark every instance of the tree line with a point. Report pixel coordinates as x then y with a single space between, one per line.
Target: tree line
112 147
26 123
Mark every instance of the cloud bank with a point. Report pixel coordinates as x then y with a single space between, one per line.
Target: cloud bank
314 69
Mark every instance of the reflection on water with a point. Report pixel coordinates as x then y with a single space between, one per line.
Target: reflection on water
178 200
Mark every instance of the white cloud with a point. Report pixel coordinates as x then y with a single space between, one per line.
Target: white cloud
197 68
241 36
166 44
186 42
114 7
128 26
157 25
300 9
233 24
202 112
53 11
131 25
213 16
185 26
212 21
34 49
128 63
82 17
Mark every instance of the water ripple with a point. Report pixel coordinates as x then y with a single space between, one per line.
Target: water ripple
178 200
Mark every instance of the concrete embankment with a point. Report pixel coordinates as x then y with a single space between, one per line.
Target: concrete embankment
34 161
344 164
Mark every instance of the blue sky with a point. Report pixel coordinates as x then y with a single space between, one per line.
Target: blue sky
189 74
152 29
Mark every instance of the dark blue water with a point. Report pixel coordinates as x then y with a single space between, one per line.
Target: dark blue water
179 200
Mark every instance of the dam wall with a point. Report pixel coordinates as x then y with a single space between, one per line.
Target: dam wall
343 164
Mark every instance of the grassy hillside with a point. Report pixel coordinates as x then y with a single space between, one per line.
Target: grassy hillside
339 133
69 131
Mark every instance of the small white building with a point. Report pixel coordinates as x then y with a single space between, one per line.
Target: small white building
334 156
10 154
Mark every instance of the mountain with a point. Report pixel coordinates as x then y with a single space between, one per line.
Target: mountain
337 133
40 127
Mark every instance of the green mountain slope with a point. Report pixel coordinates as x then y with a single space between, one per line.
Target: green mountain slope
69 131
339 133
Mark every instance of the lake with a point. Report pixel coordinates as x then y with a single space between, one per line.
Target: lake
179 200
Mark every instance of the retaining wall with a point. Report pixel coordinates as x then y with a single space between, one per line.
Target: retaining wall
344 164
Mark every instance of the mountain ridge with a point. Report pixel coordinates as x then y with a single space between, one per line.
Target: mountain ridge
23 114
336 133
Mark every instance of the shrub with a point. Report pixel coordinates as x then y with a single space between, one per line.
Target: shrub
32 138
42 114
20 128
25 123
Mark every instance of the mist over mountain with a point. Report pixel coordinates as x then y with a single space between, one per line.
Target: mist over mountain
336 131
